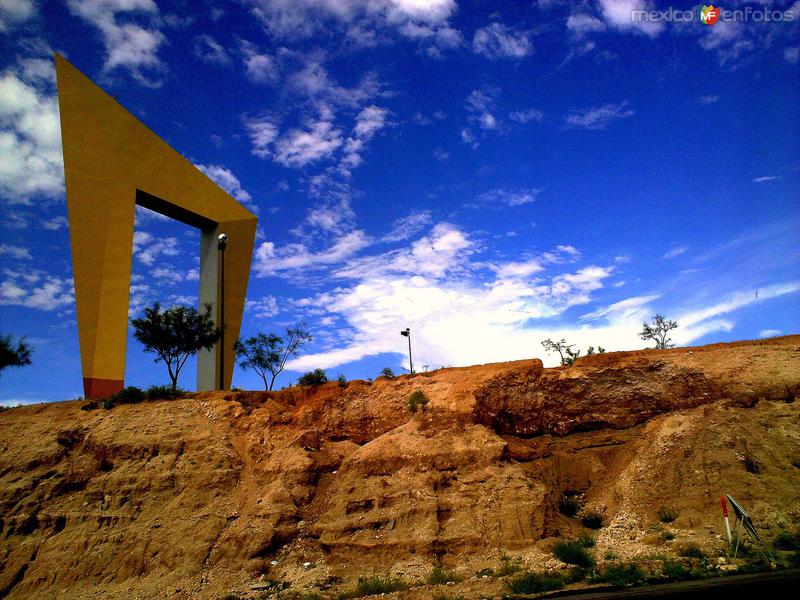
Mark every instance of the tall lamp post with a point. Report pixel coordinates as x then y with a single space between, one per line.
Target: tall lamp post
407 333
223 243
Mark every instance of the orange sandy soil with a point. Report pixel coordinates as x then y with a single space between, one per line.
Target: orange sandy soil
314 487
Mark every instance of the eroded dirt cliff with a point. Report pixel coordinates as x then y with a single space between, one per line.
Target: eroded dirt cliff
316 486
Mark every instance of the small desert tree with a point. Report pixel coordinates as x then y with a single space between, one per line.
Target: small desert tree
175 334
565 351
387 372
315 377
267 354
12 355
657 331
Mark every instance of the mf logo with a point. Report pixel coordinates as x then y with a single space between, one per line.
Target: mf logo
709 15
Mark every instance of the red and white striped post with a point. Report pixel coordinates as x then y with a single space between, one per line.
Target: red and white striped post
727 522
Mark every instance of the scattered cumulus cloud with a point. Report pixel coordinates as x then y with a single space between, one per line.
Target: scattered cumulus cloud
15 252
767 333
527 116
263 308
408 226
30 140
599 117
36 289
13 13
764 179
510 198
709 99
147 247
259 66
675 252
225 179
130 35
618 14
211 51
499 41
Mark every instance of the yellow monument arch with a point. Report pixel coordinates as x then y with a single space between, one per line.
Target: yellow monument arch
112 162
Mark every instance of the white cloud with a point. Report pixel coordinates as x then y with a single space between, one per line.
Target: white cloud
303 18
766 333
599 117
440 154
369 121
167 275
128 45
480 104
14 13
193 275
708 99
264 307
210 50
30 141
583 23
299 147
262 132
764 179
619 14
408 226
527 116
225 179
270 260
259 67
147 248
498 41
37 290
15 252
503 197
675 252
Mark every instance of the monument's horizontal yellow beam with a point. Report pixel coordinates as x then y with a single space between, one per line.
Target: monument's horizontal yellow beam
112 161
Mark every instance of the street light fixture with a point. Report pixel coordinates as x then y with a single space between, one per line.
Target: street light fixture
223 243
407 333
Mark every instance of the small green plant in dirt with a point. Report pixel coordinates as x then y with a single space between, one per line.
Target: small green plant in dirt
164 392
128 395
667 514
369 586
675 571
569 505
508 566
315 377
573 553
691 550
787 541
441 577
667 535
620 574
586 540
417 400
611 555
535 583
592 519
342 380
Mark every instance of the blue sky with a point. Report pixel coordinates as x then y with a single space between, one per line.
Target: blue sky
487 173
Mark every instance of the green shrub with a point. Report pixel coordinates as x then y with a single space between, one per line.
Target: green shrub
128 395
667 535
315 377
342 380
621 574
691 550
611 555
535 583
592 519
508 566
667 514
440 577
675 571
586 540
164 392
569 505
370 586
387 372
108 404
787 541
794 560
573 553
417 400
